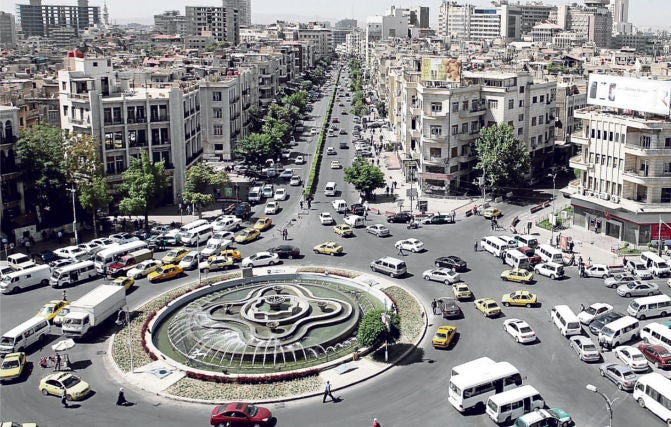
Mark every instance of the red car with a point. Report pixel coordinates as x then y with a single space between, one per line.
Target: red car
531 254
335 120
241 414
656 354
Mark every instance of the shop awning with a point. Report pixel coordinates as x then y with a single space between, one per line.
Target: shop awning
435 176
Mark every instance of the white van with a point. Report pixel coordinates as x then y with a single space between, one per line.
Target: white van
512 404
656 264
254 195
388 265
527 240
339 205
26 278
512 244
72 274
565 320
354 221
657 334
494 245
196 236
19 261
330 189
550 254
619 332
655 305
517 259
23 336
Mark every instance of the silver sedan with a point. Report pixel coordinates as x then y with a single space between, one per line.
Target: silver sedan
445 275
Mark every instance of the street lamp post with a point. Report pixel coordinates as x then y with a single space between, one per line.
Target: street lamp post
609 403
552 212
74 215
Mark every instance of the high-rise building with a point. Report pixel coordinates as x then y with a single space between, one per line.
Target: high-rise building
468 22
620 11
244 8
41 20
170 22
219 23
594 21
7 30
346 24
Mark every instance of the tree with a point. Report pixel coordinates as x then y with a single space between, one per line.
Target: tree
255 118
503 158
41 153
142 186
372 330
199 180
256 148
381 109
86 172
364 176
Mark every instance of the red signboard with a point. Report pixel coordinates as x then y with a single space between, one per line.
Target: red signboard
666 231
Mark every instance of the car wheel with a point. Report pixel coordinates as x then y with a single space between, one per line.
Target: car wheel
447 282
650 294
604 277
68 397
333 253
505 279
45 392
601 371
427 278
627 295
619 386
658 365
316 252
663 313
641 317
641 402
553 277
271 262
528 305
250 265
507 304
413 250
517 339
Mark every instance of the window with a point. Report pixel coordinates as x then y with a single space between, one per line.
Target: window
455 107
436 130
667 142
65 110
436 107
534 100
521 103
520 131
455 129
64 85
521 89
217 113
216 96
645 141
542 98
520 117
533 141
533 121
218 130
511 104
492 103
464 128
464 105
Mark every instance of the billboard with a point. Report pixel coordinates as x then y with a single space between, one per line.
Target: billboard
650 96
442 69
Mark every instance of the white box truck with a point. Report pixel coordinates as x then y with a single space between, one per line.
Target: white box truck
93 309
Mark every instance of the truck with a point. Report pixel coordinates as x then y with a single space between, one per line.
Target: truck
93 309
19 261
126 262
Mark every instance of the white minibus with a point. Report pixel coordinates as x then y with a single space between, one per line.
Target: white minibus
107 256
509 405
657 334
26 278
550 254
193 224
528 240
517 259
565 320
330 189
473 366
494 245
23 336
472 389
658 265
72 274
619 331
654 305
653 391
197 235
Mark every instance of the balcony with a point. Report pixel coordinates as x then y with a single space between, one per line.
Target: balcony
160 118
646 151
7 141
577 162
415 133
465 158
114 145
476 111
416 110
439 138
466 136
79 97
579 138
432 160
643 178
435 114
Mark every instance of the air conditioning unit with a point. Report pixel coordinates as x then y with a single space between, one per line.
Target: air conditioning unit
615 199
604 196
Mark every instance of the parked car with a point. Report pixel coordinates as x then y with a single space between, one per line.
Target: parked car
622 375
451 261
588 314
12 366
618 279
585 348
519 330
632 357
443 275
657 355
602 320
637 289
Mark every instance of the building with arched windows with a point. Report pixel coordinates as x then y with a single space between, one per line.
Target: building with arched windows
11 187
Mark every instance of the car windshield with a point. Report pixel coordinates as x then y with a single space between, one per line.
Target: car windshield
47 310
441 335
590 310
10 364
71 381
252 410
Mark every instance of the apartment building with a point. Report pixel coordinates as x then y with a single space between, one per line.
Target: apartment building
624 188
592 21
11 187
321 38
170 22
161 118
468 22
41 20
7 30
244 8
222 24
268 75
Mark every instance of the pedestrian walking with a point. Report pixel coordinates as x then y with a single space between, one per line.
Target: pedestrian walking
433 306
376 423
309 203
121 399
570 246
65 295
300 203
400 251
589 260
327 392
475 246
57 365
580 261
582 307
393 185
492 225
64 399
386 190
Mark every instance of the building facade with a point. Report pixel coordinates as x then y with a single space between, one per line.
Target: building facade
220 23
42 20
11 187
7 30
244 8
170 22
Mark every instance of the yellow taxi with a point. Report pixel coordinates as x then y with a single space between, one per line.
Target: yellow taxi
247 235
124 281
519 298
231 253
462 291
53 384
491 213
174 256
328 248
343 230
443 336
263 223
487 306
518 275
12 366
165 272
51 309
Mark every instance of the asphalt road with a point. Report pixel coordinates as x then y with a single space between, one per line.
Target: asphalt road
411 393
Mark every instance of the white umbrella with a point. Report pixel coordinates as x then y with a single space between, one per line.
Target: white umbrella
63 345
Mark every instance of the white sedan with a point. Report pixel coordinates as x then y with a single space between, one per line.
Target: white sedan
295 180
272 208
281 194
445 275
632 357
326 219
588 314
412 245
70 252
144 268
299 160
520 330
260 259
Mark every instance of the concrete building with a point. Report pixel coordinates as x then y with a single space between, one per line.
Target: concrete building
355 43
321 38
11 187
468 22
593 21
218 23
7 30
545 32
244 8
620 12
41 20
346 24
170 22
268 66
129 113
532 14
571 96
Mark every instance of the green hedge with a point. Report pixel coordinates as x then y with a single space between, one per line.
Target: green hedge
313 176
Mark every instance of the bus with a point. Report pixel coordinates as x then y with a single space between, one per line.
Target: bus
473 365
472 389
107 256
653 391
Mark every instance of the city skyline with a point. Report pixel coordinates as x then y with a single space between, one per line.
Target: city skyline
267 11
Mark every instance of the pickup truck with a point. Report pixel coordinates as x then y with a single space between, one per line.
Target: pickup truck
127 262
19 261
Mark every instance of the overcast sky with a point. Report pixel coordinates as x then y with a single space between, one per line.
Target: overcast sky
642 13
